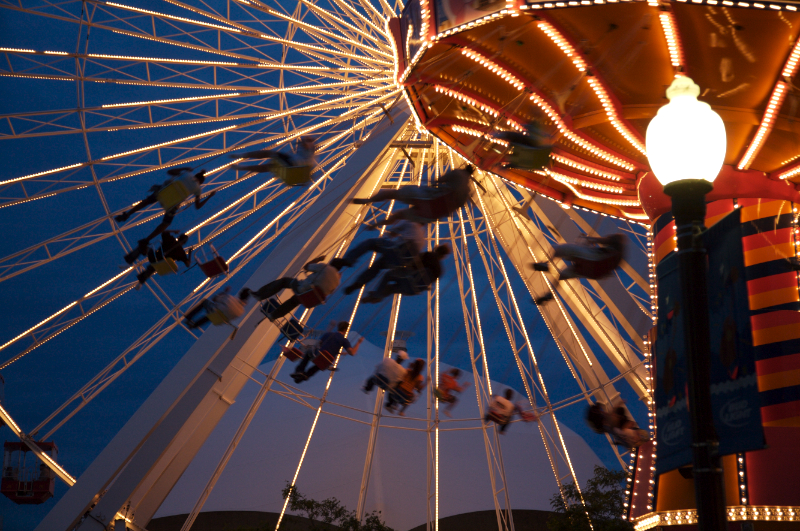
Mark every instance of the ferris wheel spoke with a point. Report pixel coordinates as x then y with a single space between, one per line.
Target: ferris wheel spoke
374 14
480 366
336 20
115 288
129 33
514 325
163 17
25 196
325 35
326 53
351 11
344 26
171 319
66 130
35 66
69 316
28 124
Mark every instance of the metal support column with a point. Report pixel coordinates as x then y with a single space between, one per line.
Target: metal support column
376 414
483 383
159 441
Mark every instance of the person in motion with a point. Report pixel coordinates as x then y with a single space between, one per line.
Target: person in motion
407 241
179 177
623 430
388 372
412 279
594 259
324 279
449 388
529 150
171 247
502 410
427 203
231 308
324 355
407 389
303 156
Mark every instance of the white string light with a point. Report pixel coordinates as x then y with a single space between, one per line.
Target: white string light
501 72
576 139
767 122
673 39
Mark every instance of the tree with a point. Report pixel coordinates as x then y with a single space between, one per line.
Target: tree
330 513
603 496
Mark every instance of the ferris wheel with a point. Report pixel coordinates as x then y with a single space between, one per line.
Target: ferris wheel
118 94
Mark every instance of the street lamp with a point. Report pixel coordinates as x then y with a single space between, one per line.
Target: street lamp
686 147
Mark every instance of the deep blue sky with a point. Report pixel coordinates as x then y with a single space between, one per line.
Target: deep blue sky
40 382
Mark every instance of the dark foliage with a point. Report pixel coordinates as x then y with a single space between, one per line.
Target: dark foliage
330 514
604 497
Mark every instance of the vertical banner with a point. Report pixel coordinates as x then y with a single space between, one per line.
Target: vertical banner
734 387
734 384
674 433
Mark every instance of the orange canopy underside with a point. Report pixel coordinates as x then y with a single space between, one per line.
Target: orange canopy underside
736 55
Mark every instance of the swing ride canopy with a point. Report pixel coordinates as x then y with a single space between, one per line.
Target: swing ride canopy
594 73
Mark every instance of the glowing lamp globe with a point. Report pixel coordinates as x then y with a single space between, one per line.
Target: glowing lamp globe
686 139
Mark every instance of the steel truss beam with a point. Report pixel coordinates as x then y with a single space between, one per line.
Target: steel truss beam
432 416
386 176
519 342
116 287
524 243
625 306
144 461
102 228
47 184
480 371
377 410
376 415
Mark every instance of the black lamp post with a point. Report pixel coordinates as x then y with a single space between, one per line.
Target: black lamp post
686 147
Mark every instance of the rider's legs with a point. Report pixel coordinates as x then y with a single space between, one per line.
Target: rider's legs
268 290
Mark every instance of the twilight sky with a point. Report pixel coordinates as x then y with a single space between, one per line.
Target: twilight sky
42 380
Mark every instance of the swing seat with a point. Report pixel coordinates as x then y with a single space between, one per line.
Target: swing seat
497 418
313 297
324 359
403 398
217 318
269 305
172 195
292 354
215 267
529 158
443 396
293 329
167 266
382 382
293 175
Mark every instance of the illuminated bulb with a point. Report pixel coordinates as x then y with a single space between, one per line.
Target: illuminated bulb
686 139
775 101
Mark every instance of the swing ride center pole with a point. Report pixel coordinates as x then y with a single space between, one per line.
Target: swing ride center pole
689 209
